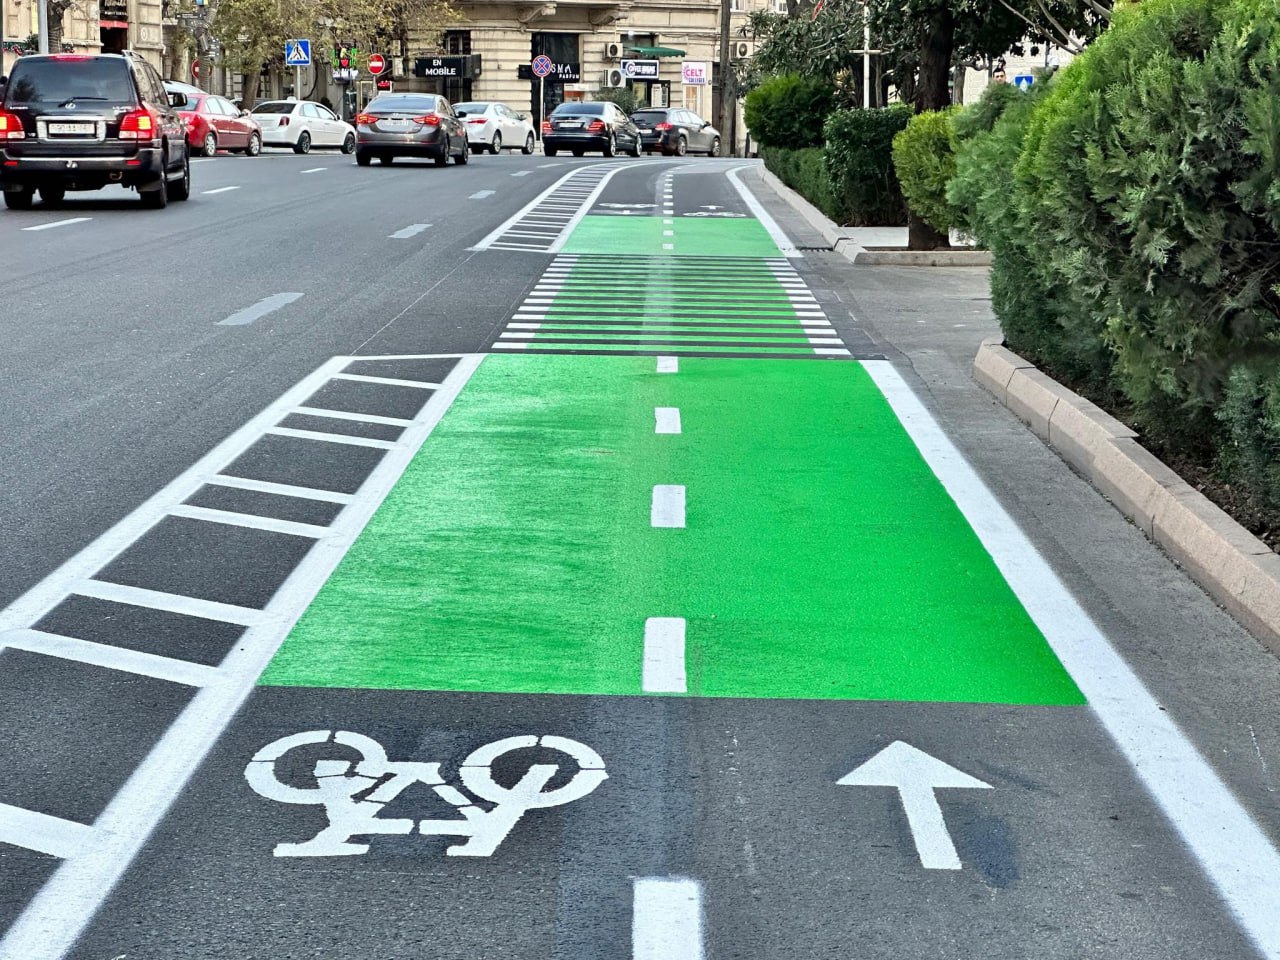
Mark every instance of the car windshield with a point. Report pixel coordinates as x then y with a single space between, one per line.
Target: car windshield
402 104
578 110
464 109
63 79
280 106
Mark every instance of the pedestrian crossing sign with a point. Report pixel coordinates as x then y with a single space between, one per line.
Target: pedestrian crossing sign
297 53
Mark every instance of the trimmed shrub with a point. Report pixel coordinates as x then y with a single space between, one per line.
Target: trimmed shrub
789 111
924 162
805 172
859 159
1249 449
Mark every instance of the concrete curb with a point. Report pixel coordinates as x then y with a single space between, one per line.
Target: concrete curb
1235 567
845 244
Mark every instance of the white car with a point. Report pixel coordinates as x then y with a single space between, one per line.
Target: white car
303 124
495 126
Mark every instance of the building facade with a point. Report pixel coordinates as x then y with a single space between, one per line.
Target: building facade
89 26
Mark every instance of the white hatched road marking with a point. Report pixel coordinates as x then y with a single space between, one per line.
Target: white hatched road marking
95 858
251 521
354 417
280 489
386 381
113 658
340 438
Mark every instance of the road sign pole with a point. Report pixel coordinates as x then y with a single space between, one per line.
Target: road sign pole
542 103
297 82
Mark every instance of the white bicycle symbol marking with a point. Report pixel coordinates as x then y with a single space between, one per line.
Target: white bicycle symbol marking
338 782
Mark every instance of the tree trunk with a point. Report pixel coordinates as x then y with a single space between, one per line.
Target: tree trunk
249 89
921 236
931 91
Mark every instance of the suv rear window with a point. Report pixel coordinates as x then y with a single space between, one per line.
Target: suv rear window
280 106
649 115
579 109
60 80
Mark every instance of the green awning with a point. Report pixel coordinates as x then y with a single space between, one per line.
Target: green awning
655 51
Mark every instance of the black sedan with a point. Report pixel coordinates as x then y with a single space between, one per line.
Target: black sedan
579 127
410 125
676 132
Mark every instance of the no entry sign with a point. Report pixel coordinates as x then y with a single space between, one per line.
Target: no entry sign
377 64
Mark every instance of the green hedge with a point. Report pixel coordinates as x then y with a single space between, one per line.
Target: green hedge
788 111
805 172
925 163
859 159
1132 203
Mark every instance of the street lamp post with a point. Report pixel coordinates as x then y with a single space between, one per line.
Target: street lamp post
42 24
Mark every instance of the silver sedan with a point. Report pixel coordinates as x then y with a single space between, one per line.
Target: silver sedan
410 125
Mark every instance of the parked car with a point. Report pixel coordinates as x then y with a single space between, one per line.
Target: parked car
214 123
71 121
303 124
579 127
676 132
410 125
494 125
177 86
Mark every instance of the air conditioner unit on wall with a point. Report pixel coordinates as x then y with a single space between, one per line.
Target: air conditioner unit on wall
741 49
614 78
613 51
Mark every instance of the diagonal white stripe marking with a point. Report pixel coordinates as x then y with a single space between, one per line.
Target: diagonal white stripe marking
252 522
280 489
354 417
113 658
172 602
41 832
340 438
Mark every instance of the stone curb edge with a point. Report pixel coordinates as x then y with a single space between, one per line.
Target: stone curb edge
849 248
1237 569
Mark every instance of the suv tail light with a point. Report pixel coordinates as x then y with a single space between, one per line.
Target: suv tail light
597 126
11 126
546 126
430 120
662 126
138 125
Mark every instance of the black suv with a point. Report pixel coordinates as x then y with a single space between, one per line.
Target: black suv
79 122
676 132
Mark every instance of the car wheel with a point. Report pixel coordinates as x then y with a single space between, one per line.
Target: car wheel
610 146
157 198
209 147
548 151
386 160
52 196
682 147
19 199
578 151
497 143
304 143
181 189
444 155
528 144
463 157
635 149
363 159
255 145
349 144
715 148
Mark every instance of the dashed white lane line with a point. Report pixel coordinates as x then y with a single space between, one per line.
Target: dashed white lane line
57 223
316 170
668 246
666 420
666 919
667 507
209 193
481 194
668 365
259 310
544 166
522 173
410 231
664 660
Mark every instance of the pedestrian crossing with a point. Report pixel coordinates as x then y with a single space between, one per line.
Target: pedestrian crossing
693 306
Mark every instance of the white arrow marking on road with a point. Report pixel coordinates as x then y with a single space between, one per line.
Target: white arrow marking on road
916 775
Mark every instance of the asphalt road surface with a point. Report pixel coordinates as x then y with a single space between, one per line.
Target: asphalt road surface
576 559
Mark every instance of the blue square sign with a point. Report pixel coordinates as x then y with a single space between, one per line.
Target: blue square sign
297 53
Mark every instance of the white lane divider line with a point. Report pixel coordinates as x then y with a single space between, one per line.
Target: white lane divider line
667 507
481 194
668 246
57 223
316 170
664 659
1237 856
545 166
259 310
668 365
95 858
410 231
522 173
210 193
112 658
666 919
666 420
42 832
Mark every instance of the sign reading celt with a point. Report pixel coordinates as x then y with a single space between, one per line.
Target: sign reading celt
339 781
694 73
639 69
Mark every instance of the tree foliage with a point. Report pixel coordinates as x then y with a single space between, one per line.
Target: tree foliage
925 163
789 111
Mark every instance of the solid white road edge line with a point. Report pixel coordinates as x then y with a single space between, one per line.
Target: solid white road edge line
667 506
664 669
666 420
59 913
666 919
785 246
1233 851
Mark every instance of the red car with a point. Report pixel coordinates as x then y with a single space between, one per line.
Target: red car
214 123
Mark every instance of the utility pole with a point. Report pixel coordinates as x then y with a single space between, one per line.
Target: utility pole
728 110
42 21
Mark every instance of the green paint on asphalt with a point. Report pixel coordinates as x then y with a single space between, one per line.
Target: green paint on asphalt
821 558
693 236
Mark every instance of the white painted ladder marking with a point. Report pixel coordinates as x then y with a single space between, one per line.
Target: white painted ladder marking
172 602
667 509
251 521
41 832
666 919
279 489
666 420
112 658
353 417
386 381
664 659
341 438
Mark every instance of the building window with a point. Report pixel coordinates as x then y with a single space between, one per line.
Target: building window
457 43
780 6
737 6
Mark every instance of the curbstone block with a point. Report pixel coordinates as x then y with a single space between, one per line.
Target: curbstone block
994 366
1132 478
1080 431
1032 397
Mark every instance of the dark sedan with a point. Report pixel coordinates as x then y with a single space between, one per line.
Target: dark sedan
410 125
579 127
676 132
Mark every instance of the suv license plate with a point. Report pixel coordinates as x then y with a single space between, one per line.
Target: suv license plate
77 129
